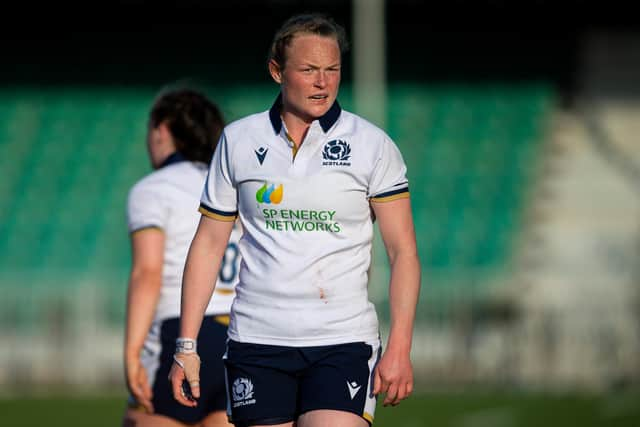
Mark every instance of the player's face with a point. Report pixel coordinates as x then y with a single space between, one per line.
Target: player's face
310 78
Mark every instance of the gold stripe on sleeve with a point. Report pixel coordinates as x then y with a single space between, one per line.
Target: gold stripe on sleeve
390 198
150 227
205 212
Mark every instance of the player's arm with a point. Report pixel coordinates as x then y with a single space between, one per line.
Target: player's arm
198 283
394 373
145 280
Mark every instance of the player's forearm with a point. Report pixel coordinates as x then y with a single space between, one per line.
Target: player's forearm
142 298
198 283
404 290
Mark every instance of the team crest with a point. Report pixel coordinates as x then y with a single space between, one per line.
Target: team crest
336 153
242 391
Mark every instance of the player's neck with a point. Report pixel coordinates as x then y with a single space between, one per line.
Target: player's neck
296 126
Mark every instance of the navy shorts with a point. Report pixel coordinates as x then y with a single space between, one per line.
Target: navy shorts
269 384
157 359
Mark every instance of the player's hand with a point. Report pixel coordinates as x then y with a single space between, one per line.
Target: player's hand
185 378
138 383
393 377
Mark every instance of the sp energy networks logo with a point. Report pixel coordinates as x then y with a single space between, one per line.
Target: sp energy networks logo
242 391
336 153
270 194
300 220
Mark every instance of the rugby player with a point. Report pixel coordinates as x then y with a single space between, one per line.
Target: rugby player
183 129
305 179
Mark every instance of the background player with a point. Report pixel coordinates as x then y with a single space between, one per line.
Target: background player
183 129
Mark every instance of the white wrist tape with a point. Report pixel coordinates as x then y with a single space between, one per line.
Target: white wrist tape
190 365
186 345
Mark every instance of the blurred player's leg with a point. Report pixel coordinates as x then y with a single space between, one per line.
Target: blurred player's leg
137 418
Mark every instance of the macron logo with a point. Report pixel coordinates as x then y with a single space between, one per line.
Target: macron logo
353 388
261 153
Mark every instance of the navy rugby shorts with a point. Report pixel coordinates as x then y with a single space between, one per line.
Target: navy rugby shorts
269 384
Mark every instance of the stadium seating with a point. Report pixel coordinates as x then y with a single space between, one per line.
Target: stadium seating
470 152
69 155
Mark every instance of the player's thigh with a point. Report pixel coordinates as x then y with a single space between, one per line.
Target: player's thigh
331 418
340 381
216 419
137 418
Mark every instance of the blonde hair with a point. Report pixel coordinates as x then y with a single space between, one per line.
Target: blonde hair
313 23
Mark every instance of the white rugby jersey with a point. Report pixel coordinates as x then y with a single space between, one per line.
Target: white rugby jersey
167 199
307 224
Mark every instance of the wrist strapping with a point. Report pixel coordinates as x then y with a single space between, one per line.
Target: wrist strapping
178 362
186 345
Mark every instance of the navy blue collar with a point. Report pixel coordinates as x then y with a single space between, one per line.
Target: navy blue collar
326 121
174 157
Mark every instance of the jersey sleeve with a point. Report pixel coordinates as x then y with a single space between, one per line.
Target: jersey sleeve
145 209
388 180
219 198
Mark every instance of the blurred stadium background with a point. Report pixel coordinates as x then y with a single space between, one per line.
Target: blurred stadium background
520 126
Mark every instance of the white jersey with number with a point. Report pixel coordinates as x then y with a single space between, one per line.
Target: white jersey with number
308 226
167 199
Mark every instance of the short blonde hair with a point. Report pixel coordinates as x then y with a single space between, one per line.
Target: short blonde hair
313 23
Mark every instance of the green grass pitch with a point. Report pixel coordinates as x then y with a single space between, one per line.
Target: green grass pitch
465 409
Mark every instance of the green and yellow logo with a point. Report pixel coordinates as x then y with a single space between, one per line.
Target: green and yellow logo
270 194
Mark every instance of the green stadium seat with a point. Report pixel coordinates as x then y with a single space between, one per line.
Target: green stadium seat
70 156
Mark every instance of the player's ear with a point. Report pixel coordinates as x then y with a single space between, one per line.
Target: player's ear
164 132
275 71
